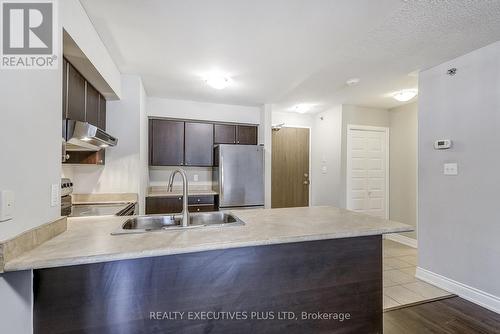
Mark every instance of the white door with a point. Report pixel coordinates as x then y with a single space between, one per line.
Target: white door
367 170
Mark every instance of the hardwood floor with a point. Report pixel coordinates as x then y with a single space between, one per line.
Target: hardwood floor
449 316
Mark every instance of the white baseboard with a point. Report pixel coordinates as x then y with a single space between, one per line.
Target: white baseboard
471 294
402 239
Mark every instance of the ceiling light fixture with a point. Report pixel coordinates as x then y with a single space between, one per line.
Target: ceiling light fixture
352 81
217 81
405 95
302 108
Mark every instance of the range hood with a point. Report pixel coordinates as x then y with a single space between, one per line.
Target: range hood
82 136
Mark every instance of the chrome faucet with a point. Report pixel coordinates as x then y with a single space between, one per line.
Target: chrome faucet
185 212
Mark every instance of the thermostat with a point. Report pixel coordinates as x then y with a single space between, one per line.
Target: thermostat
442 144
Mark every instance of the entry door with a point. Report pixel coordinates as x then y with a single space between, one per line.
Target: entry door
290 168
367 166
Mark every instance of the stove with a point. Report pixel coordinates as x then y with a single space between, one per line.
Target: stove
113 209
91 209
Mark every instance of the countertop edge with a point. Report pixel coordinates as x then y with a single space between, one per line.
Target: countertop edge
11 266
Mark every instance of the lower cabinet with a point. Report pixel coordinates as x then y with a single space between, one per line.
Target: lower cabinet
167 205
156 205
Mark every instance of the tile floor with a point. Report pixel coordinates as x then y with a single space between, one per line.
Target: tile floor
400 285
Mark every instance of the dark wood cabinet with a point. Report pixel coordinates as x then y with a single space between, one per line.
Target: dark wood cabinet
65 87
247 135
163 205
186 143
76 95
86 157
168 205
198 144
201 208
224 134
198 200
166 143
92 106
101 123
235 134
82 102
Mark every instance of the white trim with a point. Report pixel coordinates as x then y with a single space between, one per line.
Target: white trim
469 293
402 239
385 130
310 156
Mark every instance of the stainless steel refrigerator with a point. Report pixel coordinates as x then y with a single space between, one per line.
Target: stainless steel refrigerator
238 175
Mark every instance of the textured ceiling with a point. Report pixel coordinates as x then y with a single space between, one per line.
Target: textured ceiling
289 51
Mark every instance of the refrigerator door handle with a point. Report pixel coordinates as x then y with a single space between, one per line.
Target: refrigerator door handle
221 177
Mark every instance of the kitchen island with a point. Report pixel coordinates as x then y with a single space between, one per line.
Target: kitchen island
299 270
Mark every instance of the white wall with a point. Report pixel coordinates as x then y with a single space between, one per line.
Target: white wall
182 109
30 133
326 149
125 170
292 119
403 165
78 25
158 176
458 216
358 115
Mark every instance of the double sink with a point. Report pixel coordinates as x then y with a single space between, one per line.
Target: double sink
184 221
142 224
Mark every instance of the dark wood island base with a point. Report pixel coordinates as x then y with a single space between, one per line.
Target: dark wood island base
327 286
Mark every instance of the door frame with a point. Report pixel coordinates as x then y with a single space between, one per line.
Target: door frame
310 157
383 129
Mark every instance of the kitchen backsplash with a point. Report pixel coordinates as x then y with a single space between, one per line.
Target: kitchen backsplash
158 176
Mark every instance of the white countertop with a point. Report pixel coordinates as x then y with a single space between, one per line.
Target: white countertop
89 239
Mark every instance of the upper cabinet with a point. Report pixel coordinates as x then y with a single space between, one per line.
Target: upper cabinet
246 135
198 144
186 143
75 95
235 134
92 106
166 143
81 101
101 123
225 134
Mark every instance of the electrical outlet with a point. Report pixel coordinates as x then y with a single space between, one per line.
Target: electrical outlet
450 168
55 195
195 178
324 169
6 205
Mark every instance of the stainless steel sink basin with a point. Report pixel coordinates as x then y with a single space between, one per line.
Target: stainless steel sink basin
142 224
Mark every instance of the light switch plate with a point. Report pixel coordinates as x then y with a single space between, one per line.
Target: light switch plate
450 168
195 178
6 205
